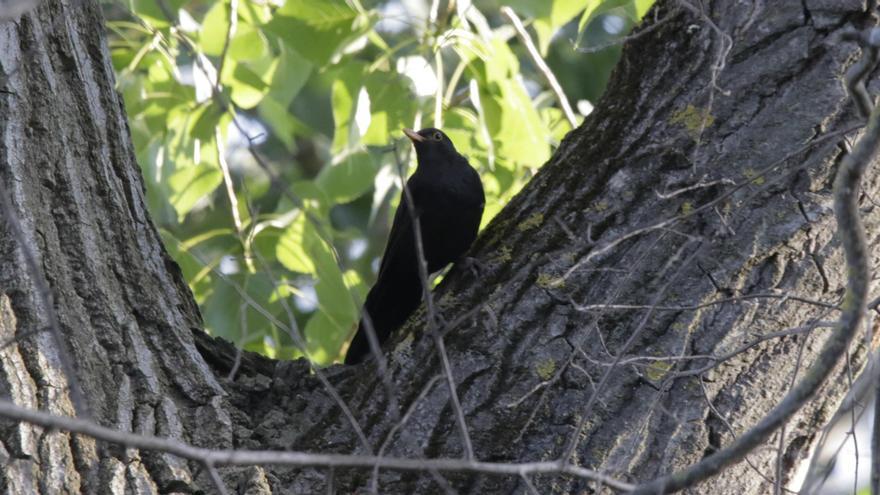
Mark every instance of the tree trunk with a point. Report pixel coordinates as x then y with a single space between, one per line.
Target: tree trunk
723 123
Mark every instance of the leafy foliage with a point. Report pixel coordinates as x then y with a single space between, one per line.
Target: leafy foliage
269 136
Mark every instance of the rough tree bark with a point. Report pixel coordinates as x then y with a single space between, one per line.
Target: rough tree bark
710 100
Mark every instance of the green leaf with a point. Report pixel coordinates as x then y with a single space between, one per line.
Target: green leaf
190 184
150 12
311 196
642 7
392 106
548 16
343 95
189 265
250 81
325 337
207 118
501 65
301 249
634 9
291 250
288 79
215 25
316 29
284 125
291 75
518 131
349 178
335 301
247 44
389 99
596 8
555 121
228 315
193 181
463 128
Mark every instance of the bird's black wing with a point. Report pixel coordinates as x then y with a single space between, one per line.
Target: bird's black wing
397 291
401 240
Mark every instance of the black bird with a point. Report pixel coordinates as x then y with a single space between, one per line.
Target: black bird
448 198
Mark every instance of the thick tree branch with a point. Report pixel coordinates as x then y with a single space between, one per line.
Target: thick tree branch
852 235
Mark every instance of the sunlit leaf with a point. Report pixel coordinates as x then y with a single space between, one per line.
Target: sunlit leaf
215 25
247 44
642 7
391 104
324 336
291 249
230 316
191 183
548 16
594 8
250 81
348 178
316 29
519 136
151 11
301 249
290 76
284 125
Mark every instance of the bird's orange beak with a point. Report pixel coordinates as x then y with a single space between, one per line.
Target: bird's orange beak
413 135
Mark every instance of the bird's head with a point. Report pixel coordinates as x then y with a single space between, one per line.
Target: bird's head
431 142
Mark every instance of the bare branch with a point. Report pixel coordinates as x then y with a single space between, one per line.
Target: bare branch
215 478
540 64
294 458
875 437
432 316
572 443
298 340
694 307
374 481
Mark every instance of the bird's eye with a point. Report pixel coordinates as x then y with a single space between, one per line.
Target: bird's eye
438 136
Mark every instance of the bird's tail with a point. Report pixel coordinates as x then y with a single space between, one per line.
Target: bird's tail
389 303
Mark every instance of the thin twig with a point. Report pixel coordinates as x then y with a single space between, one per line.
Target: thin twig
230 33
374 481
216 479
298 340
227 181
729 427
875 440
625 39
699 185
438 96
694 307
440 480
235 457
573 440
716 360
606 246
778 488
432 316
540 64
